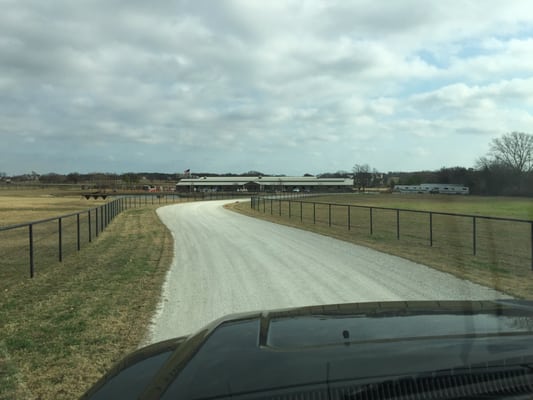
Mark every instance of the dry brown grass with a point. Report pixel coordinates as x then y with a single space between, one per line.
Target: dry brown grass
31 205
503 259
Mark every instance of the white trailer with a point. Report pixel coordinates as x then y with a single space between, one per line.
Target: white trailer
434 188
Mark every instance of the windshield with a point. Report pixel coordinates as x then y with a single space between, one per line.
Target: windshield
164 165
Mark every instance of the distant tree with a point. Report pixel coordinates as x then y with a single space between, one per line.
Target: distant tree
338 174
307 174
130 178
252 173
508 167
514 150
361 176
73 177
496 178
52 177
454 175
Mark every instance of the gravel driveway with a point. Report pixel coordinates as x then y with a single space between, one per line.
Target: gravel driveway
227 262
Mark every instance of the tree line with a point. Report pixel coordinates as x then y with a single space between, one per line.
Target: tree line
507 169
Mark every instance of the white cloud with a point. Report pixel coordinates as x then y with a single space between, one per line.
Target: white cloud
233 81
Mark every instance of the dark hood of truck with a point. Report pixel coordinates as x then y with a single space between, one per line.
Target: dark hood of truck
260 355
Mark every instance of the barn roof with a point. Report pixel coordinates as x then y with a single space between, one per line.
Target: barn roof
266 180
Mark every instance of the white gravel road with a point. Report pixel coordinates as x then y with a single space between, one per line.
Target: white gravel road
226 262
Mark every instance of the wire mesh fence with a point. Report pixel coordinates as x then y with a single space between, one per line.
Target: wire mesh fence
490 239
37 245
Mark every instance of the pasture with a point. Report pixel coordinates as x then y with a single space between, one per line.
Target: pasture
61 330
64 328
18 206
502 258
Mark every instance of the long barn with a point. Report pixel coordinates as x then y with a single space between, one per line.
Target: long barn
264 184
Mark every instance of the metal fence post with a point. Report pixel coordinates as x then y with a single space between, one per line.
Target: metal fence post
271 206
89 218
329 214
32 266
280 207
78 231
96 222
371 222
474 235
431 229
314 213
290 209
60 239
301 212
531 246
349 218
398 224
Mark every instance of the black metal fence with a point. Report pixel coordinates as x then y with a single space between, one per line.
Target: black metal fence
40 242
495 235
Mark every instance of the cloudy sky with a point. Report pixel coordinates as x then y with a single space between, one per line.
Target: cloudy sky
285 87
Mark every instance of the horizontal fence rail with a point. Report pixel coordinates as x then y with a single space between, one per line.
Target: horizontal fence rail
49 240
429 228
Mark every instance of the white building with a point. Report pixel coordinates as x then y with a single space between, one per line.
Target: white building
264 184
437 188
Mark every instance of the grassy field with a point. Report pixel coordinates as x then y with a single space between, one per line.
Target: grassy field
63 329
506 207
503 249
17 206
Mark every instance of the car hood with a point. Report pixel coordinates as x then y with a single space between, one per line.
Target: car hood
341 348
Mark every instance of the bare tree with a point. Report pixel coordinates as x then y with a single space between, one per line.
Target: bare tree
361 176
515 150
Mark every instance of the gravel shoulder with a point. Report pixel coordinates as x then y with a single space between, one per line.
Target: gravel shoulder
226 263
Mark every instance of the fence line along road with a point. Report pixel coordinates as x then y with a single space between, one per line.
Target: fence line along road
54 238
468 228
